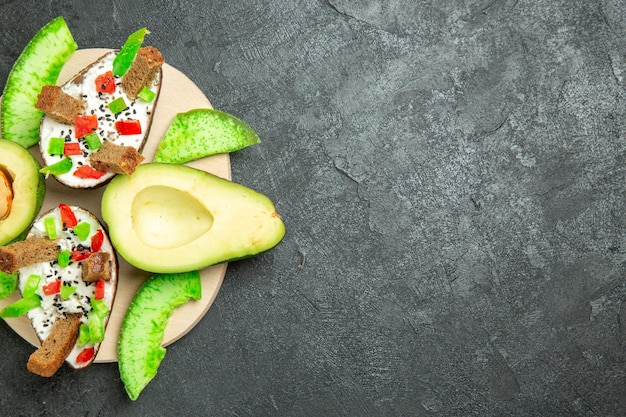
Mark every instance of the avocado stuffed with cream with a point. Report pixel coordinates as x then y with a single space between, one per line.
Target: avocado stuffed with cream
95 108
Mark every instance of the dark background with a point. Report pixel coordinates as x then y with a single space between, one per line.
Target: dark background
452 179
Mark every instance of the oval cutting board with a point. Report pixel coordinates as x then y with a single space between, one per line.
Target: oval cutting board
178 94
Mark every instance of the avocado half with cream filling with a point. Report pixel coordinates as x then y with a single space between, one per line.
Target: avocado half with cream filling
70 133
22 190
168 218
81 280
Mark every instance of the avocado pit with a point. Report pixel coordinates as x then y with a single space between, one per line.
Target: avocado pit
164 217
6 193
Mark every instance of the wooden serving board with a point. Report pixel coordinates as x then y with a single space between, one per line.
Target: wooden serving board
178 94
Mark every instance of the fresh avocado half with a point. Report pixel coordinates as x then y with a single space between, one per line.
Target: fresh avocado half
22 191
169 218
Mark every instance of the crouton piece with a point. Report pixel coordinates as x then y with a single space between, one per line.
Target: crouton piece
30 251
46 360
142 71
97 267
116 158
59 105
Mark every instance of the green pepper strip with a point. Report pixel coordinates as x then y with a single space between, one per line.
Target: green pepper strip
118 105
81 230
31 285
67 290
61 167
93 141
20 307
83 335
51 227
97 317
146 95
126 56
56 146
64 258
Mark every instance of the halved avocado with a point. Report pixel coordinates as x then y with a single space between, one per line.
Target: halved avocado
22 191
169 218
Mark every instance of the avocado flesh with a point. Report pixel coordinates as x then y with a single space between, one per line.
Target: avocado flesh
168 218
28 190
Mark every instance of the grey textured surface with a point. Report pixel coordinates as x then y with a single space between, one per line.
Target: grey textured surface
451 174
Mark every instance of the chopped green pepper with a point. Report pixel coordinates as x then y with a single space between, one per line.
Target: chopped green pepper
64 258
146 95
31 285
51 227
97 318
81 230
8 284
99 307
127 53
61 167
20 307
93 141
56 146
83 335
67 290
118 105
96 328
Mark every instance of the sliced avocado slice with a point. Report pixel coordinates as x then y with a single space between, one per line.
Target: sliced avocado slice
169 218
21 200
203 132
39 64
139 345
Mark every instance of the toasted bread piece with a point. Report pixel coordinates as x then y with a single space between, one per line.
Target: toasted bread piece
96 267
46 360
143 70
29 251
59 105
116 158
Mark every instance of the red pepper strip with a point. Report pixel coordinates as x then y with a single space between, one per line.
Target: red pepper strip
85 355
105 83
67 216
80 254
52 288
96 241
72 148
128 127
99 289
86 171
85 124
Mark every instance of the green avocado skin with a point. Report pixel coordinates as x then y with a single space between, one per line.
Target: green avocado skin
39 64
203 132
139 347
